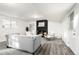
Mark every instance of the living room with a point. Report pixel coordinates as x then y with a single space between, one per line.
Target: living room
33 28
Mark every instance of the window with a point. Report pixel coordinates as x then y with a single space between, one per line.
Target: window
75 21
71 20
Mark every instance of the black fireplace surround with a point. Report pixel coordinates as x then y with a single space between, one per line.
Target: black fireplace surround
42 26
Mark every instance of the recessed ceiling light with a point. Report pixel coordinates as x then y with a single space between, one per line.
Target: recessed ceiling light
35 16
10 3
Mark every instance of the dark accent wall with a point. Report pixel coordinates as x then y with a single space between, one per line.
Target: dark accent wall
42 29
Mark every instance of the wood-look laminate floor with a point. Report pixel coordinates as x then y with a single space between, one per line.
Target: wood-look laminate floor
53 47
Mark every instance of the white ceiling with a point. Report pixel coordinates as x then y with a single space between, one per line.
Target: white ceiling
30 11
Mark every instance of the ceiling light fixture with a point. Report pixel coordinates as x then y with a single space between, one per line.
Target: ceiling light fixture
35 16
10 3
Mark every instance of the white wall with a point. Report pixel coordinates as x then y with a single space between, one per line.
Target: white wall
71 40
10 25
65 28
4 30
19 26
54 27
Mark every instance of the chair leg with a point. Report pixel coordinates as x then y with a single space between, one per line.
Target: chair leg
8 47
33 53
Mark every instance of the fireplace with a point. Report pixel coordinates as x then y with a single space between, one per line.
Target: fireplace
42 27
